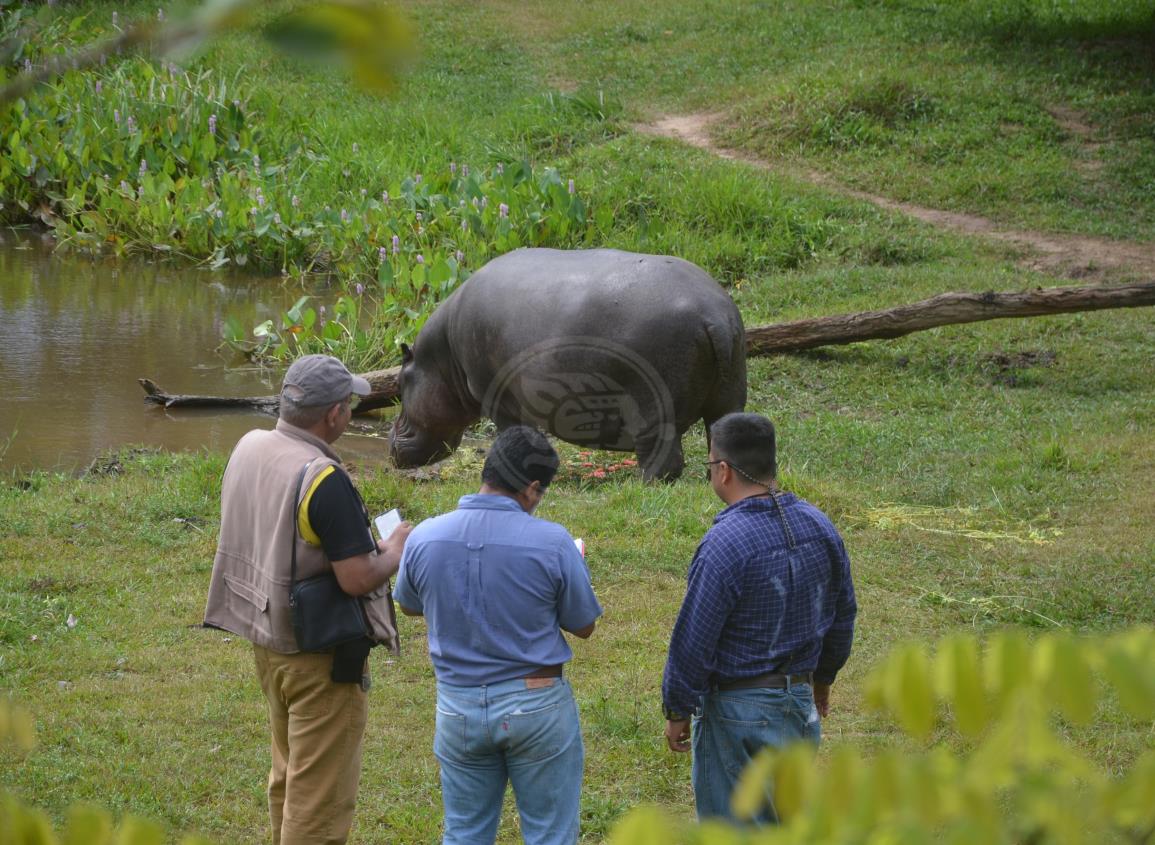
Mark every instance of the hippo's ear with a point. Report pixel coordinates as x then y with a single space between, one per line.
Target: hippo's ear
406 354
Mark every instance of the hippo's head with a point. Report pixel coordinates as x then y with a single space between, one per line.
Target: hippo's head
430 424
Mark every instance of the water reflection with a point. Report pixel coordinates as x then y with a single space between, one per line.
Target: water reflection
76 334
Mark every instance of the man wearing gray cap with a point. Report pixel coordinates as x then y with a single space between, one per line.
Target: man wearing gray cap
285 496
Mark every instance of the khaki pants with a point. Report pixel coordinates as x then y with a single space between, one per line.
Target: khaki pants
317 729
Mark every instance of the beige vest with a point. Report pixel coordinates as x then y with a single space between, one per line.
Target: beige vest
249 590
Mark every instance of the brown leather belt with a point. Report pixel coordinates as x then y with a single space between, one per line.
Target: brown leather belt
772 680
545 672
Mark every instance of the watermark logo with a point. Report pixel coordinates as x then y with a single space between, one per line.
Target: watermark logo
589 391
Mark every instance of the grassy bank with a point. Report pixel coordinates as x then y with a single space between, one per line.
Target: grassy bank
988 475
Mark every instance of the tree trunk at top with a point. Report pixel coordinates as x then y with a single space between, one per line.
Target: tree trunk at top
942 310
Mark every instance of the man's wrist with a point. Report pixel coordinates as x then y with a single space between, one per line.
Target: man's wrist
674 715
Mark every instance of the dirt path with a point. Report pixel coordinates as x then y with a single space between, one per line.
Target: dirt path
1073 256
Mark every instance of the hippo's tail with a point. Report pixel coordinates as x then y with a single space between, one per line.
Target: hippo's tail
728 341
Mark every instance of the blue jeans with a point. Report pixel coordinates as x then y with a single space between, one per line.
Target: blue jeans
734 726
488 735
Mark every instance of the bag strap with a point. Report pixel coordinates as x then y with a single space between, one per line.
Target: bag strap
296 518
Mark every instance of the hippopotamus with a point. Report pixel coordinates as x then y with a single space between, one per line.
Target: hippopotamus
601 348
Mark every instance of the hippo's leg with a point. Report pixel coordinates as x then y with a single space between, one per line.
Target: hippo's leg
660 457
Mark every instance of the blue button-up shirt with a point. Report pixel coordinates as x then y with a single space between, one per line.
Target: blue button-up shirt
496 586
761 598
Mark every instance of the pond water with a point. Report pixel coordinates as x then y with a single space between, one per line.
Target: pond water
76 333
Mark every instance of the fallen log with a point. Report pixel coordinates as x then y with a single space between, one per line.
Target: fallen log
942 310
383 382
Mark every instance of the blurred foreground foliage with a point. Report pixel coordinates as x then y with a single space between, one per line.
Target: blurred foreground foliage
1021 780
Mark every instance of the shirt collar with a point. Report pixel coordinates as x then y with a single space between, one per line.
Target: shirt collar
300 434
489 501
753 505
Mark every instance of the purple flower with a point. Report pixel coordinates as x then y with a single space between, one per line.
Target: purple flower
474 201
484 203
364 192
130 124
236 104
356 146
253 210
220 213
116 116
571 186
295 201
396 244
500 168
452 168
322 310
464 225
465 171
257 162
260 197
419 216
160 15
212 124
459 255
28 65
124 186
143 167
358 288
382 254
277 219
417 179
99 86
503 210
420 258
344 216
385 196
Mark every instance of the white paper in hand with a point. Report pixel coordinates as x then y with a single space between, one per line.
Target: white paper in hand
387 522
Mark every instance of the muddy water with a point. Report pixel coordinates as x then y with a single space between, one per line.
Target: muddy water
76 334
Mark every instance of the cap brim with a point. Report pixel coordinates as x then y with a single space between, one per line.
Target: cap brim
361 387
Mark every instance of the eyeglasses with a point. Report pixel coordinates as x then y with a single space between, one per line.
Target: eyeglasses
709 464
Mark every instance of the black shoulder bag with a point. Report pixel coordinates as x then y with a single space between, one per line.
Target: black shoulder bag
324 616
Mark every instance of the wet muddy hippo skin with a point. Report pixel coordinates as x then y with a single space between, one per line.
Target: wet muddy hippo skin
602 348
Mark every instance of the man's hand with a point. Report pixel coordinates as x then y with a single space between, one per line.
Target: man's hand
822 698
678 735
391 547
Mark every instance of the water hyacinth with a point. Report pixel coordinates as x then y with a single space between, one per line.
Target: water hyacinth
358 288
419 216
500 168
417 179
114 18
459 255
420 258
143 167
571 188
116 116
385 197
502 210
130 124
465 171
364 192
464 225
396 244
344 216
212 124
356 147
125 187
452 168
160 15
277 219
382 254
295 201
99 86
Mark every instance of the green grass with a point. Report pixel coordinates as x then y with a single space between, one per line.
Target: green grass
942 456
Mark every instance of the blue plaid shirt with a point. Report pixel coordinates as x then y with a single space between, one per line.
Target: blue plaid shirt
768 591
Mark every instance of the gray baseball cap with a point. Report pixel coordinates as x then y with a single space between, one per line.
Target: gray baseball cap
321 380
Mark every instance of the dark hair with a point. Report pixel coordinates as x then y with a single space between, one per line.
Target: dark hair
746 442
518 457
